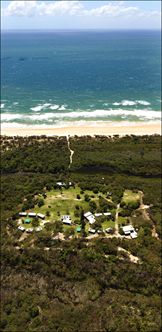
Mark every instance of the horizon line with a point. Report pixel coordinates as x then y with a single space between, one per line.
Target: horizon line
82 29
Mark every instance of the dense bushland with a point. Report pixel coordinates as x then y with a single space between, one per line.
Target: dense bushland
80 285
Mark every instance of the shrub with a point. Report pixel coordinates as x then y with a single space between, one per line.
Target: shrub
40 202
86 198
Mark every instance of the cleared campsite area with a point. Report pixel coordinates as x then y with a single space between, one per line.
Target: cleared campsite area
73 212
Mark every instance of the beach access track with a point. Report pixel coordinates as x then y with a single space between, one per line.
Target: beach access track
70 150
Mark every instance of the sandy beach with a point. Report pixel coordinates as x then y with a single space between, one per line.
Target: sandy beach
102 129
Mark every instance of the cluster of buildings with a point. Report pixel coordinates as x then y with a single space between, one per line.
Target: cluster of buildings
66 219
31 215
91 218
27 221
63 184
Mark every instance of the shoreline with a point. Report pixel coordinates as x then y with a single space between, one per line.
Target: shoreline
105 129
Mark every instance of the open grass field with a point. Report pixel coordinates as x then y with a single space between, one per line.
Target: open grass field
129 197
60 202
71 201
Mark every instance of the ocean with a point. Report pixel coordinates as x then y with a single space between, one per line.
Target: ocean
60 78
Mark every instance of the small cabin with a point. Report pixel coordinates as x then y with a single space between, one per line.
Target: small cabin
61 184
29 230
38 229
21 228
32 214
129 230
108 230
22 214
108 214
98 214
90 217
40 215
66 220
27 221
92 231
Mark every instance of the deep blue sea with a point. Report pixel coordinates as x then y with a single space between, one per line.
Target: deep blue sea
64 77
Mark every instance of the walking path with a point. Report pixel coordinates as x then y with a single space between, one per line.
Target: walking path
116 221
146 216
133 259
71 151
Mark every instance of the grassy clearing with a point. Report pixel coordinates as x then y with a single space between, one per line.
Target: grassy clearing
122 220
107 224
68 201
129 196
59 202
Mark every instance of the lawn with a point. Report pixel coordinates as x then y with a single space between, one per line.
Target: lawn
122 220
107 224
129 196
60 202
66 201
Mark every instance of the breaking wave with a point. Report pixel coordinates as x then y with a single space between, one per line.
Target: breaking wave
40 107
106 115
131 103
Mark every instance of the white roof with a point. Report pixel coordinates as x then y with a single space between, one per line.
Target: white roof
66 219
92 230
87 214
127 229
40 215
98 214
38 229
90 217
29 230
107 213
23 214
133 235
109 229
32 214
60 183
21 228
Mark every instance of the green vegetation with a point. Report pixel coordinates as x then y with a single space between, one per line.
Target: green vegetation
131 199
80 285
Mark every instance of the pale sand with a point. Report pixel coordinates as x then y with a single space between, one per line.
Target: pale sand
104 129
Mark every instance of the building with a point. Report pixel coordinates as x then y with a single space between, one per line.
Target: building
108 214
38 229
133 234
32 214
108 230
92 231
61 184
66 220
21 228
98 214
78 229
27 221
40 215
90 217
129 230
22 214
29 230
